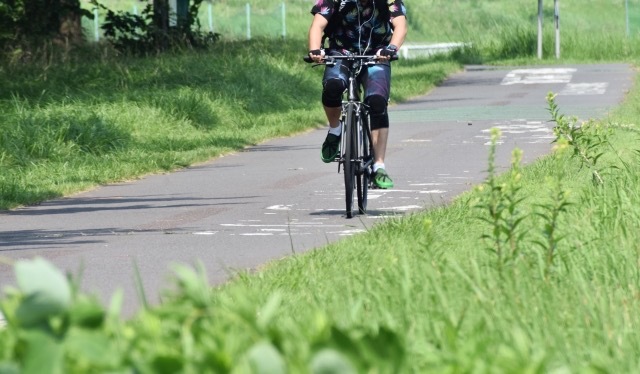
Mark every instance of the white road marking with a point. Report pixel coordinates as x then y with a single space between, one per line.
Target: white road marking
347 232
534 131
433 191
205 233
519 129
538 76
402 208
402 191
576 89
293 224
279 207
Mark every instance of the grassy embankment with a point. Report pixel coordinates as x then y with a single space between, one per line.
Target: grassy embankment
552 287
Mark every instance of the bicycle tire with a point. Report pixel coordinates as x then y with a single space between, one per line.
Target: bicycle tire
364 176
350 158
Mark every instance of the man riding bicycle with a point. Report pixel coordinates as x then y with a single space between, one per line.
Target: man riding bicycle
365 27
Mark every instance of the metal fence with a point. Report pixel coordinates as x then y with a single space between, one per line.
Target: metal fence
236 22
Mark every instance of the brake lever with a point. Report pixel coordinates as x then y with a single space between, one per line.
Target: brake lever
328 61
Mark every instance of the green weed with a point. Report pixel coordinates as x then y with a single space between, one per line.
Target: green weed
586 139
501 200
550 212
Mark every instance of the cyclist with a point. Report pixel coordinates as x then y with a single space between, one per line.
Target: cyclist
375 27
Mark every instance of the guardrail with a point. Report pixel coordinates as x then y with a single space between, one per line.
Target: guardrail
426 50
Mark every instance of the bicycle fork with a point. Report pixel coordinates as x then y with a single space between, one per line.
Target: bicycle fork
348 106
363 136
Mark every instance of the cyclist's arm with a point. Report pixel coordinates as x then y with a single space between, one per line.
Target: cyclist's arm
399 31
315 33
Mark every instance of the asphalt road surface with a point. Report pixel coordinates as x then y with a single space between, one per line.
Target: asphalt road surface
271 200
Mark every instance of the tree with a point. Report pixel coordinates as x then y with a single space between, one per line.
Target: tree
24 22
162 12
159 27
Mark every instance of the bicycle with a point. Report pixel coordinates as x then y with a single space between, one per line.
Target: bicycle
356 145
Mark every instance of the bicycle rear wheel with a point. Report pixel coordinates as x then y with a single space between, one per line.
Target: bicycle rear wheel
350 153
364 174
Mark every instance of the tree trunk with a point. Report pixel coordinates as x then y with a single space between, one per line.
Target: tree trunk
161 14
161 22
70 21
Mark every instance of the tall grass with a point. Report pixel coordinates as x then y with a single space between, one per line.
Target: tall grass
429 279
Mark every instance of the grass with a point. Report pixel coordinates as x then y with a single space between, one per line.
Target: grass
420 294
429 292
458 307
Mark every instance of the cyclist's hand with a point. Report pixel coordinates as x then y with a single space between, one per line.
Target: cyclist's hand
316 55
387 52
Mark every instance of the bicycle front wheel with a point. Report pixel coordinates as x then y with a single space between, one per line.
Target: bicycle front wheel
350 158
366 163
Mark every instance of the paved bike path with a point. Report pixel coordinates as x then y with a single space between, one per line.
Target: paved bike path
269 201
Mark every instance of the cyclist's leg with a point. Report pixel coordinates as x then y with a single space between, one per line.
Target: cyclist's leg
377 83
332 98
379 126
334 85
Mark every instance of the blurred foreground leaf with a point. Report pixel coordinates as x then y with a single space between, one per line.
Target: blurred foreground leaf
46 291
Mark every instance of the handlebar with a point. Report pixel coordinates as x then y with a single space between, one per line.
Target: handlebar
369 60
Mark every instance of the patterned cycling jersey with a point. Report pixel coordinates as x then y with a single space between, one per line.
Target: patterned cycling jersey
362 29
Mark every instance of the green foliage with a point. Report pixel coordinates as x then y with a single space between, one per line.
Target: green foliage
46 293
586 140
501 201
514 41
50 326
550 211
57 134
146 33
29 22
67 332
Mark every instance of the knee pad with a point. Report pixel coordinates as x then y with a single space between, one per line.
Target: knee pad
378 112
332 93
